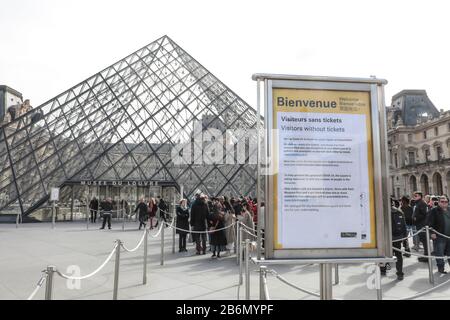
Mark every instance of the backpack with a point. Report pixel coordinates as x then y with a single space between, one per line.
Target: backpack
398 224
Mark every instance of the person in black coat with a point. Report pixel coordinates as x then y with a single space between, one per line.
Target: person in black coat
163 210
143 212
408 212
439 221
398 232
199 222
182 224
93 206
106 207
218 238
420 211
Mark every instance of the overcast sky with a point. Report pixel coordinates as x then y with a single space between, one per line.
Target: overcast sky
48 46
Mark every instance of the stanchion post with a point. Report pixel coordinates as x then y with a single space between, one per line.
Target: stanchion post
53 214
174 231
87 214
430 260
336 274
247 270
235 242
49 283
262 276
116 270
326 282
238 241
144 281
241 241
123 216
241 264
17 221
378 282
162 242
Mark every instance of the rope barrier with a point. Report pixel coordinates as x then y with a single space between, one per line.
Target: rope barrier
411 236
93 273
207 231
245 226
138 245
159 231
253 235
426 291
38 286
279 277
421 255
106 211
442 235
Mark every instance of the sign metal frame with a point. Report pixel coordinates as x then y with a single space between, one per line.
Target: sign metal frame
375 88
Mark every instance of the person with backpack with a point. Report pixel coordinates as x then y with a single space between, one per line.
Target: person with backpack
93 206
398 232
163 210
143 211
420 211
439 221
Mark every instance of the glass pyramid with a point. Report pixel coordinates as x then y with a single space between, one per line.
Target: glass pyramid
121 125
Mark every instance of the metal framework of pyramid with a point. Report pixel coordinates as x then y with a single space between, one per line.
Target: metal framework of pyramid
121 124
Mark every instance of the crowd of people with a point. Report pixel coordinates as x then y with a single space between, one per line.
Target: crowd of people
408 216
214 219
207 220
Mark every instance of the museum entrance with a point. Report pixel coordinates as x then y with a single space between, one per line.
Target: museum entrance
76 197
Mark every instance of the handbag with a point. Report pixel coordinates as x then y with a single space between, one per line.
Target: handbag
211 229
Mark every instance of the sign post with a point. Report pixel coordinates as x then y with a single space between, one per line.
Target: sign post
325 170
54 196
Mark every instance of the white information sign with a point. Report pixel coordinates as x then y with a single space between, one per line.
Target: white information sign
54 195
324 187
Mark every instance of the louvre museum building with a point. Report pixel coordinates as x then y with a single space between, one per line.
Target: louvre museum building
113 135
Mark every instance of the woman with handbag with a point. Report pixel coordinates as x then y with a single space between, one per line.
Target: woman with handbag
217 232
152 208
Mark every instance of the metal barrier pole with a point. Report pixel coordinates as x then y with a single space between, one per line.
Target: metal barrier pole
241 264
144 281
378 280
325 282
87 216
430 260
336 274
238 242
162 242
49 283
116 270
235 251
241 241
247 270
262 277
17 221
123 216
53 215
174 231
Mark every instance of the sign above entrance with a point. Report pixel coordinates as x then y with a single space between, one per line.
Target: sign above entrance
121 183
54 195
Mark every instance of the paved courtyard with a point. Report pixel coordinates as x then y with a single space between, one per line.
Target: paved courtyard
26 251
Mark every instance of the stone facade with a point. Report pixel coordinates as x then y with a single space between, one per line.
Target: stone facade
419 152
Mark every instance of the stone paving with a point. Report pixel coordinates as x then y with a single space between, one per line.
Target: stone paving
26 251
